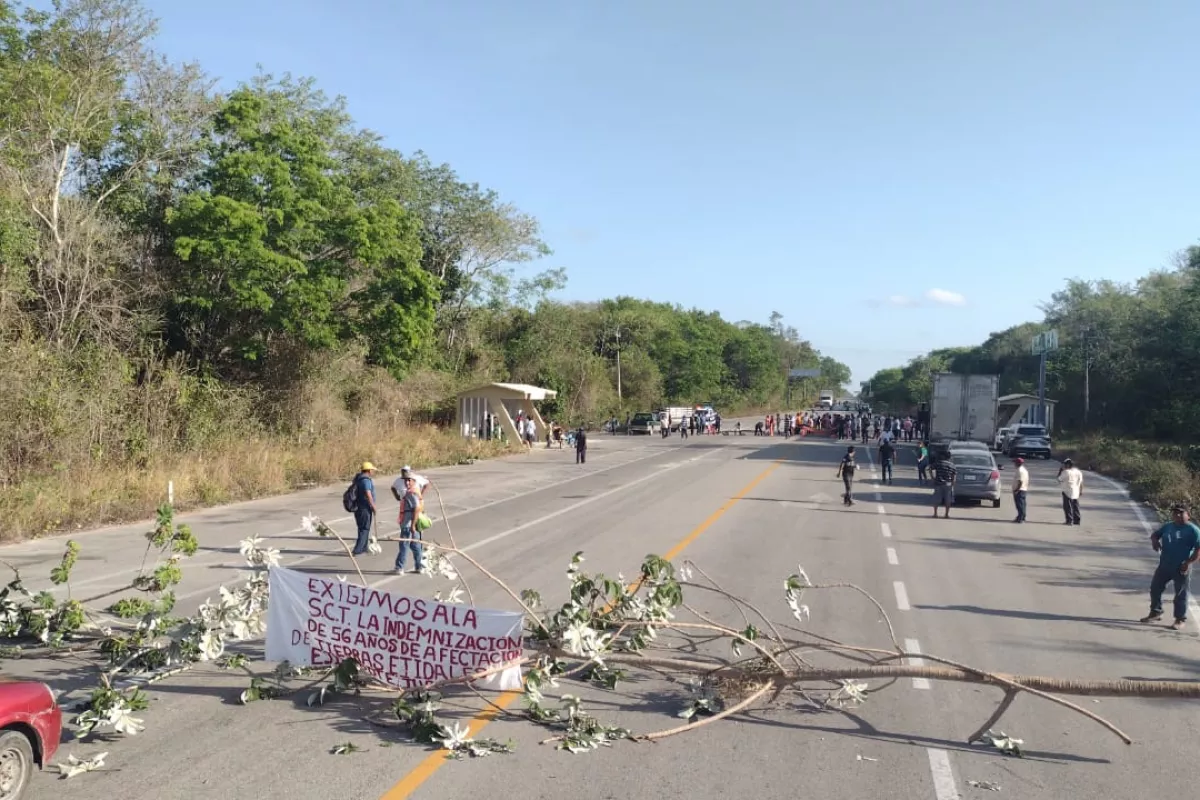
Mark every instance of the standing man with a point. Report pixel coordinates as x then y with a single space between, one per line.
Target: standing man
887 452
1071 479
846 473
364 506
1178 546
1020 489
944 477
399 487
581 444
410 507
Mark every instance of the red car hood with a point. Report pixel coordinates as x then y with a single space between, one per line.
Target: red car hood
33 704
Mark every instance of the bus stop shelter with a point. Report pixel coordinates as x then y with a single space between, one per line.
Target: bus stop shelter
494 406
1022 409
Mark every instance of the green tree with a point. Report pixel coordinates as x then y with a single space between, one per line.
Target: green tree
276 247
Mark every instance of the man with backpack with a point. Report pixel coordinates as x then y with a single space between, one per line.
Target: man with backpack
359 499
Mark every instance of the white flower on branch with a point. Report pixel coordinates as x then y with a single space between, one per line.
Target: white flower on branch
852 693
453 737
685 573
256 554
310 524
122 720
436 562
582 640
374 547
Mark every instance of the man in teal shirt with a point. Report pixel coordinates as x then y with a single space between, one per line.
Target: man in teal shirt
1178 546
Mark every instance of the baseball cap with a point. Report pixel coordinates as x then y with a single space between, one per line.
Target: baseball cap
1018 461
1178 507
405 471
367 466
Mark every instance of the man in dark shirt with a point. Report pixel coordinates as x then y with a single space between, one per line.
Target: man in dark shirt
1178 546
846 472
581 445
944 476
364 506
887 453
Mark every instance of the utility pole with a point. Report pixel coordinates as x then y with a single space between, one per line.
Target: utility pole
618 362
1087 375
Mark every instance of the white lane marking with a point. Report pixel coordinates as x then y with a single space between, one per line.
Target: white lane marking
216 554
901 596
555 514
887 530
913 646
893 559
944 787
881 509
1149 527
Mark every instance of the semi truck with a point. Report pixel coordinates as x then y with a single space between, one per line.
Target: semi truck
825 398
964 407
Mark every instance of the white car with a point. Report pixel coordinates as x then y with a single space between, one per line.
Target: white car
1001 435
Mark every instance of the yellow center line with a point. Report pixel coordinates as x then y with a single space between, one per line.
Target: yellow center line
433 762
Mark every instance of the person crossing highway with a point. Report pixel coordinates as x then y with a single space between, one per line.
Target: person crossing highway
846 473
887 453
1020 489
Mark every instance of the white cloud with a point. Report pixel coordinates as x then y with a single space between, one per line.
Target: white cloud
945 297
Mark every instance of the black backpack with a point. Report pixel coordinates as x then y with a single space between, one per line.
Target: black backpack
350 496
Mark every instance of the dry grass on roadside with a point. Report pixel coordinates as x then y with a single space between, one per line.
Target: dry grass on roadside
236 470
1160 474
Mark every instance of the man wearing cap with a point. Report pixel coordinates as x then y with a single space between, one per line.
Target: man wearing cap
1178 546
364 509
1020 489
1071 478
399 487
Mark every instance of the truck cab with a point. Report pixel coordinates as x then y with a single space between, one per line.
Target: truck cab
825 398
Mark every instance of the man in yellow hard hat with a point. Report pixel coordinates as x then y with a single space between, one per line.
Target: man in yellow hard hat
364 506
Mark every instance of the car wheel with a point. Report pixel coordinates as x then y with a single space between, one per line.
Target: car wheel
16 764
995 504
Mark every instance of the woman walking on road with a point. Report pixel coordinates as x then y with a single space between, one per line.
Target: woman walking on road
846 473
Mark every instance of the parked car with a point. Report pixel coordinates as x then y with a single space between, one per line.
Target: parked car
1029 440
978 447
978 475
30 729
1001 435
645 422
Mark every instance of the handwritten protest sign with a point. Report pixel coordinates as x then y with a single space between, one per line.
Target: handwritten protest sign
398 640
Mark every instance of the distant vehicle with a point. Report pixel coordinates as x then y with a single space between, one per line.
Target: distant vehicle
825 398
978 475
30 729
645 422
964 407
1001 435
675 415
1029 440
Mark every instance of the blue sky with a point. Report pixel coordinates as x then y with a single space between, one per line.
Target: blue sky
890 176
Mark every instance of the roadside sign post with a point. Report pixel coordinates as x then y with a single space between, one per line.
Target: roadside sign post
801 375
1043 344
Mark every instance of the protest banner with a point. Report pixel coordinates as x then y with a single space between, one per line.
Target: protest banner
401 641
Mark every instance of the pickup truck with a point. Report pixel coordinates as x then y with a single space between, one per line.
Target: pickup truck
645 422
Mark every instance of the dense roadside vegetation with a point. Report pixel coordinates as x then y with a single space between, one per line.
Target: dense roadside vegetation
1126 377
243 292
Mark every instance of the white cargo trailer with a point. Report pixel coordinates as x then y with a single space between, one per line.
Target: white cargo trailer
964 407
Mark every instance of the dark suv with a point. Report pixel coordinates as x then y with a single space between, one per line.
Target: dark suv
1029 440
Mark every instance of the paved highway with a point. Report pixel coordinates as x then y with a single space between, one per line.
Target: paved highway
1041 598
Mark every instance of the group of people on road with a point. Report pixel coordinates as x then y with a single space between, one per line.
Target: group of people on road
409 490
1177 542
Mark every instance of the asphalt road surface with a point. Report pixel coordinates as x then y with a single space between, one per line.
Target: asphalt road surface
1040 598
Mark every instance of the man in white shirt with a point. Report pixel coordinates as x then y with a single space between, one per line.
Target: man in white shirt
406 472
1070 478
1020 489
